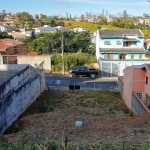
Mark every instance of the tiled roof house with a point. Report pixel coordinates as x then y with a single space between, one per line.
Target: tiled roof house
12 47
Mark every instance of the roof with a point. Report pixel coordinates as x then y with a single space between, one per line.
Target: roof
32 53
122 50
105 33
147 41
8 43
146 66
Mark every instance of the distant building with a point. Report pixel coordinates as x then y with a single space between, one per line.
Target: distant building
44 29
79 29
5 27
12 47
61 28
118 49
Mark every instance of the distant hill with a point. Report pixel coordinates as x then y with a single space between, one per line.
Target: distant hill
92 27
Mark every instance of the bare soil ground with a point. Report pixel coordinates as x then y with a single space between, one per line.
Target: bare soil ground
107 122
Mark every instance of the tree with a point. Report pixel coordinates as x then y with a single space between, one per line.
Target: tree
73 42
25 19
124 14
4 35
99 27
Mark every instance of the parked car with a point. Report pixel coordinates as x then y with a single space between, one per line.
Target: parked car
84 71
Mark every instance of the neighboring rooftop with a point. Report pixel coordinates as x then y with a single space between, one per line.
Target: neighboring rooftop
7 43
105 33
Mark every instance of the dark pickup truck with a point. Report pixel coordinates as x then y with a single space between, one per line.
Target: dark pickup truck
84 71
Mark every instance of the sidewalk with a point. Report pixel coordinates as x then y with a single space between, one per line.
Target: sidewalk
68 75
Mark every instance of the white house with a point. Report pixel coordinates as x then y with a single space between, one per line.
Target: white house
119 49
61 28
79 29
5 27
45 29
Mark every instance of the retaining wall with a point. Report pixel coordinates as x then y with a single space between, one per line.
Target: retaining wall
18 93
137 105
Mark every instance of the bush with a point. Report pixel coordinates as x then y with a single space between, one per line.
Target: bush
72 60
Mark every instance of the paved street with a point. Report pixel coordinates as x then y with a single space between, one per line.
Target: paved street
55 81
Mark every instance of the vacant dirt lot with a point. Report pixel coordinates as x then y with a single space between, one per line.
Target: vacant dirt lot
106 121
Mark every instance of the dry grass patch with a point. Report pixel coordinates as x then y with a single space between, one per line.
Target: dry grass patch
107 123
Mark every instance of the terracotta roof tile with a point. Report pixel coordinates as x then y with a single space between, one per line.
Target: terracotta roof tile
8 43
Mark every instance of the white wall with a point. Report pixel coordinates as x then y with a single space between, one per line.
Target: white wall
18 93
32 60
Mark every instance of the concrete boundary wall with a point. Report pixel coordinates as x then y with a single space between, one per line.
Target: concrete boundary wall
18 93
33 60
137 105
120 85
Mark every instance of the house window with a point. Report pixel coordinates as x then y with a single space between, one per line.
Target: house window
118 43
108 57
122 56
127 44
146 80
107 43
132 56
140 56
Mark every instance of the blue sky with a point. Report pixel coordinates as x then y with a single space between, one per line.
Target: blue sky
76 7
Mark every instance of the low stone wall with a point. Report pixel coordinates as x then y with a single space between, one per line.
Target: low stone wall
18 93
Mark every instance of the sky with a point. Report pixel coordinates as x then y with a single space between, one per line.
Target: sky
76 7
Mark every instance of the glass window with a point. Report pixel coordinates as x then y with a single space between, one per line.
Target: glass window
118 43
127 44
107 43
146 80
140 56
132 56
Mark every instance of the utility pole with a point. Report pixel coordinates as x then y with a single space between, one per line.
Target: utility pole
62 48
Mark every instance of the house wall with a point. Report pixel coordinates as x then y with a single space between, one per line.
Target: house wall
147 86
45 29
138 81
17 93
127 92
120 85
116 56
113 44
137 105
97 45
33 61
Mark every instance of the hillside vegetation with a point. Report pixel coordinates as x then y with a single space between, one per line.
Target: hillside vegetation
92 27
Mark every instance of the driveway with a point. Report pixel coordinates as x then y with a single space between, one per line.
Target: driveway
58 81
